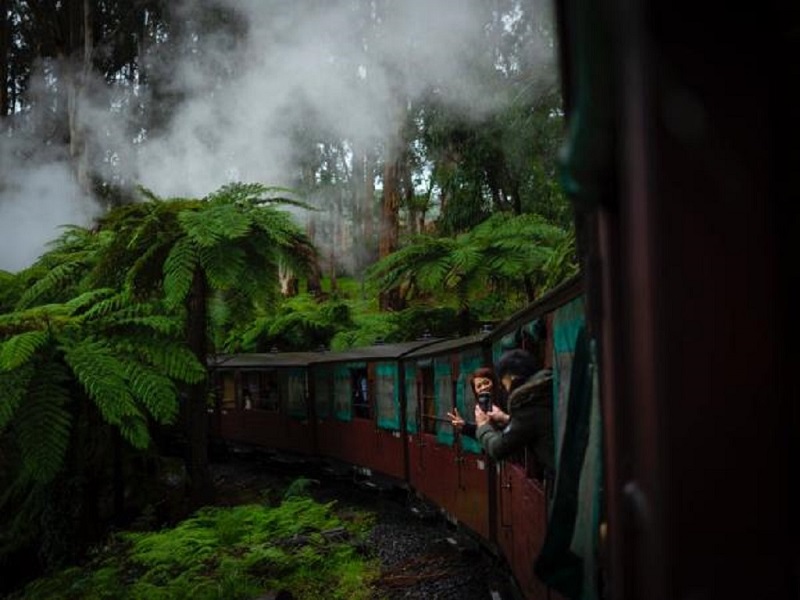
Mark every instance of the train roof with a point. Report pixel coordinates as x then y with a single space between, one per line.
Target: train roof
558 296
448 345
262 359
376 352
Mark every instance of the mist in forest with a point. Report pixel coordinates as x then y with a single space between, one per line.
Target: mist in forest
252 107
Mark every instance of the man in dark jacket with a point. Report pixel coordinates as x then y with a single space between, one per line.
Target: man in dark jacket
529 405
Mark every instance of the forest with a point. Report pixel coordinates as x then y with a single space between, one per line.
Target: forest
181 179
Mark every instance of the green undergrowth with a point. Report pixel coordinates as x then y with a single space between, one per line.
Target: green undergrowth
233 553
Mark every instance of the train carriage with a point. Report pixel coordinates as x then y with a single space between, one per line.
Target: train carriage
552 330
262 400
448 470
358 402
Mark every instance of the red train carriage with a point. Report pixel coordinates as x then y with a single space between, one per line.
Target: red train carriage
550 329
448 470
357 404
262 400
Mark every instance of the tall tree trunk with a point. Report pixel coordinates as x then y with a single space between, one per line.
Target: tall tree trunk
369 201
5 47
390 206
314 280
80 27
359 206
201 490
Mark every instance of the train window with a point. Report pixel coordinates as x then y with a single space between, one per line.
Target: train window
342 385
323 392
427 400
387 401
445 394
228 390
249 386
294 392
359 383
412 425
266 397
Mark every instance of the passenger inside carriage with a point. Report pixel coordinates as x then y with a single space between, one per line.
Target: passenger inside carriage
530 423
361 408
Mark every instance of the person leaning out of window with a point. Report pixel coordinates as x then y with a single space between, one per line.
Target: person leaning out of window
529 403
482 381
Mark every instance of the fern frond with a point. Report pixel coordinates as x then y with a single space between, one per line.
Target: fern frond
59 277
42 426
90 298
19 349
172 359
155 391
224 265
179 272
258 194
164 325
107 306
134 429
13 388
203 227
102 375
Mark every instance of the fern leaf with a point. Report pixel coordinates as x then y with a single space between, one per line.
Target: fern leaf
102 375
90 298
173 360
224 265
42 428
19 349
57 278
156 392
13 388
134 429
179 272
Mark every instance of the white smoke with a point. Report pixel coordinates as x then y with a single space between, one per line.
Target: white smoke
327 67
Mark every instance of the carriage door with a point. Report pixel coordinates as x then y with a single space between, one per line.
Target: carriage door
426 407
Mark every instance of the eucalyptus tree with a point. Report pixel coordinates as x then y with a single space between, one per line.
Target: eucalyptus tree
505 254
229 245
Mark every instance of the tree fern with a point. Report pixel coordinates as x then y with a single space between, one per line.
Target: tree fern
42 424
179 272
102 375
13 388
20 348
57 278
157 392
171 358
224 265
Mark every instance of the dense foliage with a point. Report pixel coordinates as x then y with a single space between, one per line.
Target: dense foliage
299 545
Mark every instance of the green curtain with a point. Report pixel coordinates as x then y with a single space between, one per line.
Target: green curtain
443 383
465 399
411 398
387 396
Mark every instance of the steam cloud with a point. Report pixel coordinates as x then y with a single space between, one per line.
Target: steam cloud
311 65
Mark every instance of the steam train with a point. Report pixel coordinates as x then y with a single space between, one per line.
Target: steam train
382 411
681 160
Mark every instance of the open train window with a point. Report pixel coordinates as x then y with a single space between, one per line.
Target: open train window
427 399
227 389
359 383
259 390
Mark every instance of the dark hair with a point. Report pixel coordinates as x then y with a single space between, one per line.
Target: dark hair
482 372
517 363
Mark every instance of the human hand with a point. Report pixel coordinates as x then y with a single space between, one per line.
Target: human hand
456 420
498 416
481 418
